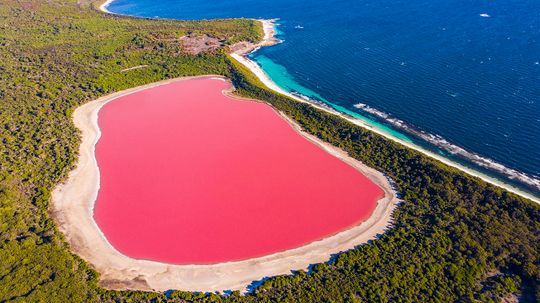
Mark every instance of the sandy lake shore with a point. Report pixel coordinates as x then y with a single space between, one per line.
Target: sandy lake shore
72 208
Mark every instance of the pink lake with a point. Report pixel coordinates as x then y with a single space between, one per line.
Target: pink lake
191 176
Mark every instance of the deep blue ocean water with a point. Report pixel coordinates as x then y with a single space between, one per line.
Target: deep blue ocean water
459 77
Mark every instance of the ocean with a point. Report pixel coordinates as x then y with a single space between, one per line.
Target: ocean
459 77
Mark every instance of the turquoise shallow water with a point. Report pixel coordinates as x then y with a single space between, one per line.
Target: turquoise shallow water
461 78
283 79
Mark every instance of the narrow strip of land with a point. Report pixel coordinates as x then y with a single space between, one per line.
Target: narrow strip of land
73 203
240 55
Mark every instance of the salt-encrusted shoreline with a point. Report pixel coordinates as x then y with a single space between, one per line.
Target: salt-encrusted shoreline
73 203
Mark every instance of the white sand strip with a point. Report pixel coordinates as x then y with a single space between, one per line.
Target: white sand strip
268 26
73 203
103 6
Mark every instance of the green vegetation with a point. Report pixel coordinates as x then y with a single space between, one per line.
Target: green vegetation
455 238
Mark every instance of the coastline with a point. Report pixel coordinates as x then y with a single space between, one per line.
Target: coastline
73 203
269 39
268 26
103 6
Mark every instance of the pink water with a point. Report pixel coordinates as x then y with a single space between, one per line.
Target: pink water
190 176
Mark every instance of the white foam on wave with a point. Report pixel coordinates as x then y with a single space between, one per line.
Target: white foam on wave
484 15
443 144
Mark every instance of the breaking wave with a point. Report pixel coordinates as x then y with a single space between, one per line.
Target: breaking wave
453 149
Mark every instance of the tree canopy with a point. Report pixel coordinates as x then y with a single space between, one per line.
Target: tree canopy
455 237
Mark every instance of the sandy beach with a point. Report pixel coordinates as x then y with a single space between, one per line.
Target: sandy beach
73 203
268 26
269 39
103 6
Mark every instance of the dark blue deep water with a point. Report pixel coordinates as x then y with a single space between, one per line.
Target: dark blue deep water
461 76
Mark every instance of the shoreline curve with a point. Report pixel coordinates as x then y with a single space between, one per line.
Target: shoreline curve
241 56
73 203
102 6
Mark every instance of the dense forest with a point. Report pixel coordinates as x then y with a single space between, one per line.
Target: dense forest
455 238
